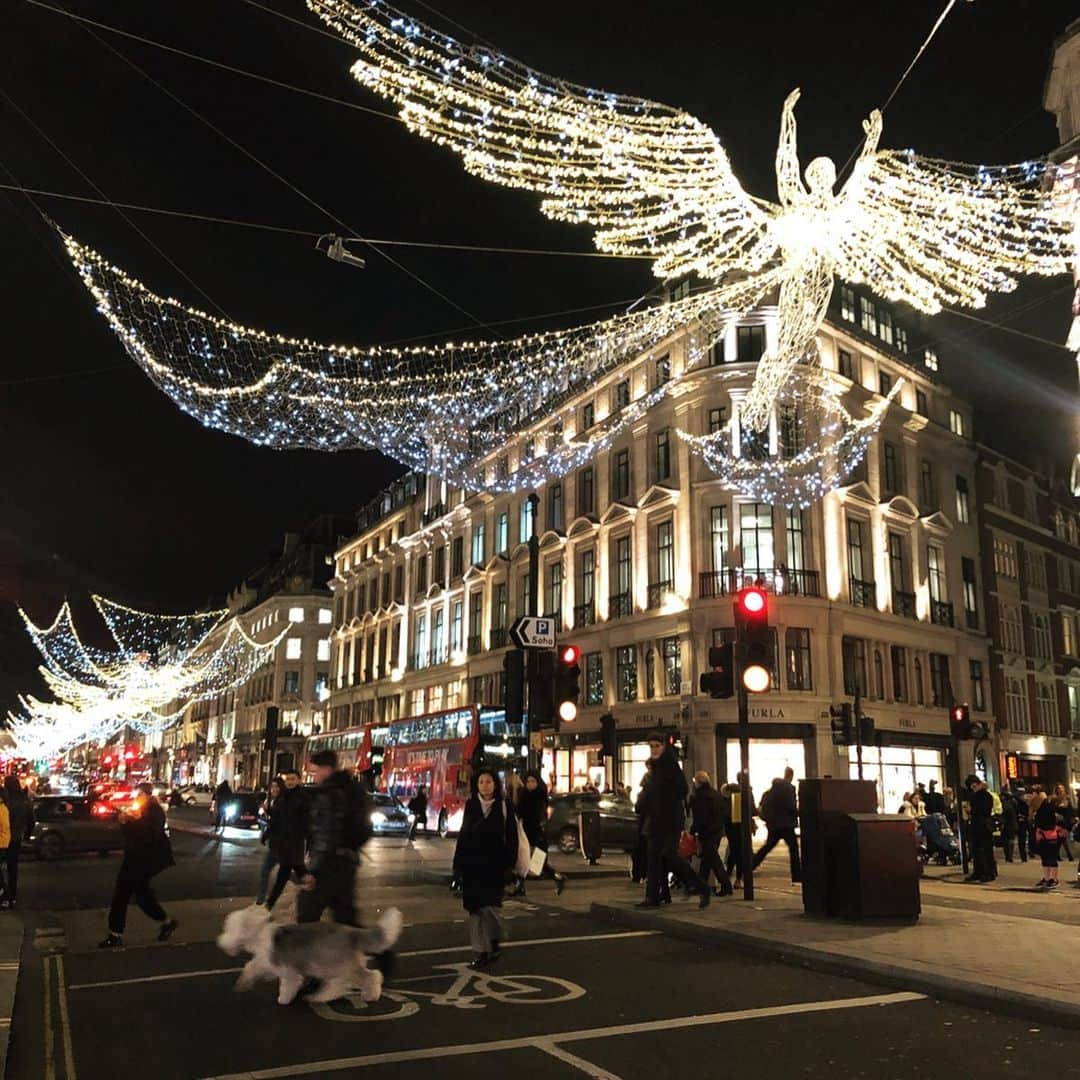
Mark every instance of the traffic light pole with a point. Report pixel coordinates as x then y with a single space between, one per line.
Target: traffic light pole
858 730
746 860
532 656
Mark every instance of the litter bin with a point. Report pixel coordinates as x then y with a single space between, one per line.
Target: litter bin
871 867
820 801
589 833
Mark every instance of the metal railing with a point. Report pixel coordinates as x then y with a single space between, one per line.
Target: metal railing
779 581
657 589
903 604
475 644
584 614
862 592
499 637
941 612
437 511
620 605
556 618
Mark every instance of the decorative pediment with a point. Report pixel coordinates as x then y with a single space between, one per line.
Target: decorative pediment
617 511
395 608
475 572
519 551
937 523
433 590
900 507
860 492
658 495
368 619
551 538
583 526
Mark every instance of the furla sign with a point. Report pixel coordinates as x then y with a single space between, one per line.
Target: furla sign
767 712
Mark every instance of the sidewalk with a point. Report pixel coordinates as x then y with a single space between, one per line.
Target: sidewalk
11 940
959 950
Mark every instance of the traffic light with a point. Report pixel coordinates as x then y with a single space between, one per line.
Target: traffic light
842 719
108 761
720 681
567 682
866 730
754 638
129 753
607 736
960 722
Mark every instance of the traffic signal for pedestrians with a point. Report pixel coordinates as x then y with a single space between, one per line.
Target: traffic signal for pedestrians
754 638
960 722
607 736
720 681
842 720
567 682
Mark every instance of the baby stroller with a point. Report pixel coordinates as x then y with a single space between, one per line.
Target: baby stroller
941 843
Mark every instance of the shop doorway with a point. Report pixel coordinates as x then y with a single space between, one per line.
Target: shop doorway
897 770
768 760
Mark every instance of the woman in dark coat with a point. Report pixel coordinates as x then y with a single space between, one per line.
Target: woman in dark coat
533 809
483 860
19 812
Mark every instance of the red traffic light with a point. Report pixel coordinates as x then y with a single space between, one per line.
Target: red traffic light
569 655
752 600
129 754
107 760
958 712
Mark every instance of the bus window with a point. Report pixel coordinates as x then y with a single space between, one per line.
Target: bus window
453 755
464 776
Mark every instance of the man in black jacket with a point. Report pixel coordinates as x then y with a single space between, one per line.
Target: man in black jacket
981 831
780 810
286 835
707 808
665 817
147 852
333 844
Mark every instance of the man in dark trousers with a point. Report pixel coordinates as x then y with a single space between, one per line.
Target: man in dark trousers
935 801
147 852
708 812
780 810
335 833
981 831
665 816
289 825
222 794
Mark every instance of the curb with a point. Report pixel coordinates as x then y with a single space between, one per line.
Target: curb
994 999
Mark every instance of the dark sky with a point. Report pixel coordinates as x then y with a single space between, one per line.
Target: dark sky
100 469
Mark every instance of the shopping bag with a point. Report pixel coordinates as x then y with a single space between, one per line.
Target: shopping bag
536 863
688 846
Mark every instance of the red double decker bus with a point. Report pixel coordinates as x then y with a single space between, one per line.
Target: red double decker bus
441 750
359 748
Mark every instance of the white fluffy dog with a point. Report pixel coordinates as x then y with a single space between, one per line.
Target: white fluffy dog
293 953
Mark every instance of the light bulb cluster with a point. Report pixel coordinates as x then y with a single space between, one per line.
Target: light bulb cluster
160 665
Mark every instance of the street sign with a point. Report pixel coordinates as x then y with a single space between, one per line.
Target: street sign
531 632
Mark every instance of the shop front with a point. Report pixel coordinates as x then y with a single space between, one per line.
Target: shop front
899 761
1036 759
774 747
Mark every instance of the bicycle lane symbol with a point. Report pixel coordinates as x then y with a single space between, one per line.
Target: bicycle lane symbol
468 989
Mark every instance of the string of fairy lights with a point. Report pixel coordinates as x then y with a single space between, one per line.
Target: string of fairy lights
159 666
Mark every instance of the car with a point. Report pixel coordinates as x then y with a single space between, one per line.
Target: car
241 810
196 795
389 817
618 822
66 824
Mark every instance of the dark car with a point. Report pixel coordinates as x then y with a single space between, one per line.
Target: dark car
241 810
388 816
70 823
618 822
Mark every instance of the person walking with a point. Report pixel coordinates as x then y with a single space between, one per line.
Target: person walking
484 858
707 824
270 856
779 809
665 818
1009 823
533 809
289 837
1023 822
1067 812
935 800
418 808
222 794
147 852
981 831
20 818
338 825
1047 838
639 856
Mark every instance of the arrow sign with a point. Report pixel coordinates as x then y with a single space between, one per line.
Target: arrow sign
532 632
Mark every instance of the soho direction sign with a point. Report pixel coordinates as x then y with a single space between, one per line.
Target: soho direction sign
533 632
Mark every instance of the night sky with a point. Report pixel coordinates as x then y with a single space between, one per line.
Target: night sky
104 477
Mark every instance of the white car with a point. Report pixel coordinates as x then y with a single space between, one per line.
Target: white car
196 795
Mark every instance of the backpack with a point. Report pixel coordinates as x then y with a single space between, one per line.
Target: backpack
358 829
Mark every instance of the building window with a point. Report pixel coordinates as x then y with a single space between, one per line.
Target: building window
853 651
956 423
476 620
1012 630
921 406
479 553
718 536
438 566
750 343
663 370
650 672
930 360
940 683
846 363
971 602
717 420
899 673
499 608
421 656
797 648
753 445
1016 710
325 616
857 562
323 650
917 679
978 692
890 479
665 555
296 614
588 415
901 340
935 565
524 584
502 532
457 557
963 504
1004 558
622 394
294 648
867 316
796 538
885 326
584 591
421 574
792 440
620 483
847 303
927 487
1048 718
898 568
529 450
438 636
457 626
586 491
1034 568
594 679
554 589
879 675
1074 709
884 383
622 578
756 529
526 522
626 673
292 683
1068 633
662 457
671 654
1040 626
555 508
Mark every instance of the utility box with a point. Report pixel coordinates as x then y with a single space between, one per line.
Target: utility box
871 867
821 802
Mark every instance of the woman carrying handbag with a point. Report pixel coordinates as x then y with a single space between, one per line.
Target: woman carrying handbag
533 810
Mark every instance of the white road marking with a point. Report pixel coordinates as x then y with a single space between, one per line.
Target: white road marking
65 1023
587 1067
50 1067
415 952
463 1049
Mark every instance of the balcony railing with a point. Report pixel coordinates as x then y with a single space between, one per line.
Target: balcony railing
584 614
781 581
971 618
437 511
620 605
941 612
438 655
499 637
475 644
862 592
556 618
903 604
657 589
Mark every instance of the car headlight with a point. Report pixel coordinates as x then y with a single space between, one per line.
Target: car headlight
378 817
410 817
230 811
